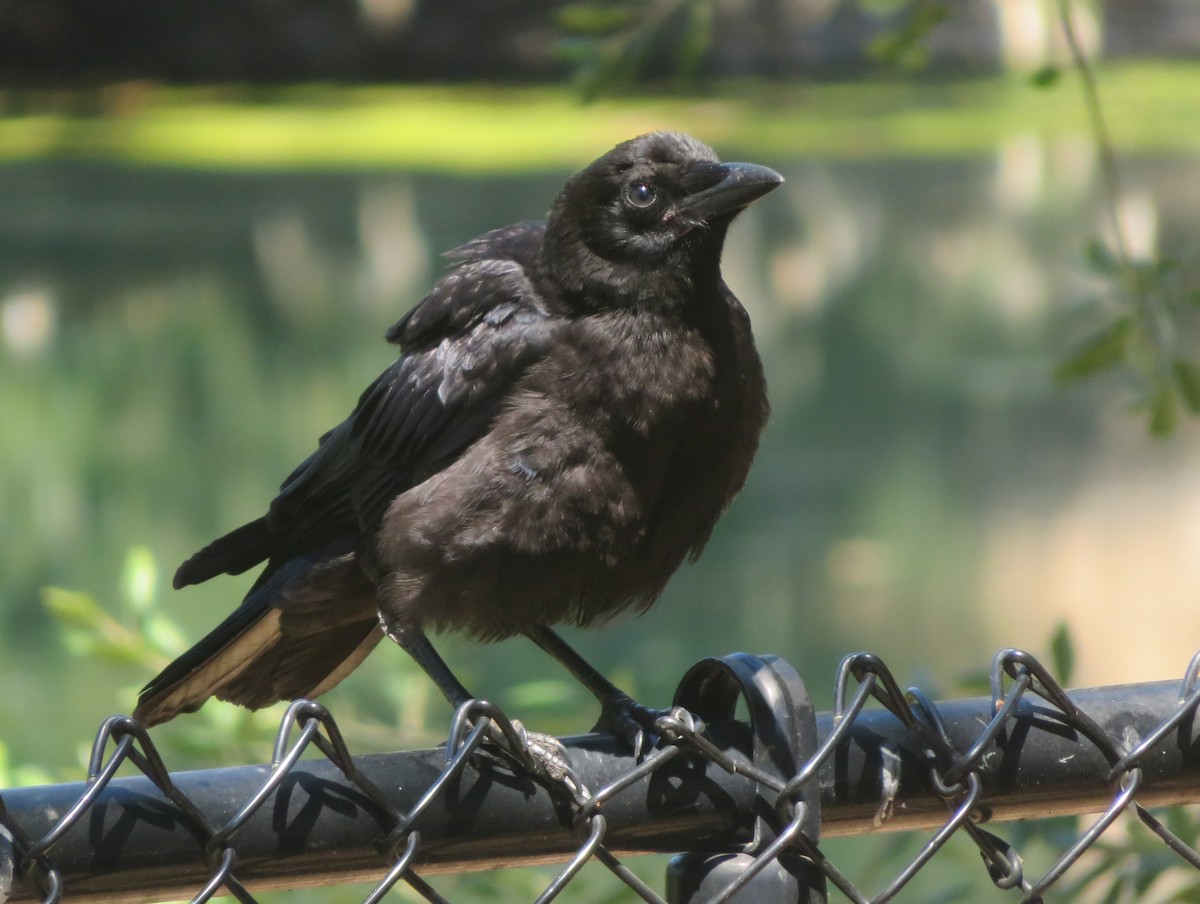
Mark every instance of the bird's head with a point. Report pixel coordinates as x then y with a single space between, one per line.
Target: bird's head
655 207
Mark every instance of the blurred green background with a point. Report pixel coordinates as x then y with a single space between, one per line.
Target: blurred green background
195 280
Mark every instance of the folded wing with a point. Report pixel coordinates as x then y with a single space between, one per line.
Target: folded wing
311 616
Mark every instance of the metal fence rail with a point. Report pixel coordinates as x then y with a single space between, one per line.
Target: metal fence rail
748 800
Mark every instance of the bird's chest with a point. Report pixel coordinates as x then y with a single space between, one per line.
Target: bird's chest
640 383
643 405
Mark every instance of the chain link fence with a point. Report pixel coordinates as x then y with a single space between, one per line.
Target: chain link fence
746 780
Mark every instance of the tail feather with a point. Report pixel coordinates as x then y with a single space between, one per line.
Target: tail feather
223 654
296 635
233 553
299 667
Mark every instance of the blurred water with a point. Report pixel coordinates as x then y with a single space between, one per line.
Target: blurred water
173 342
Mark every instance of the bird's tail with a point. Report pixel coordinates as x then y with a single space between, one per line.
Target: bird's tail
297 635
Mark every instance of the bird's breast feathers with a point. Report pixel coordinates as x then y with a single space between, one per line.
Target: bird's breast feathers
581 450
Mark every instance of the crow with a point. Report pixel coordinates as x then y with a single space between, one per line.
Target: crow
575 403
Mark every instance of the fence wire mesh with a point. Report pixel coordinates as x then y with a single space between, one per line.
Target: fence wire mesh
748 799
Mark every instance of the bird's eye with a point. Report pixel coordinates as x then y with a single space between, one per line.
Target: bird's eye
641 194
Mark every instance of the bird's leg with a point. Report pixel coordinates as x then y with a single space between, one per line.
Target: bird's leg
548 755
414 642
619 712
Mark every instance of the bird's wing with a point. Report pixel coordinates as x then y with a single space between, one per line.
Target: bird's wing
464 345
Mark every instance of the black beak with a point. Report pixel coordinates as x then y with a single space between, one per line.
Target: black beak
737 185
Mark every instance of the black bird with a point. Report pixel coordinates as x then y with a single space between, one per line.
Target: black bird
575 403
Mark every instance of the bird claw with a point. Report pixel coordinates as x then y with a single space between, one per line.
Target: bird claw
634 723
541 754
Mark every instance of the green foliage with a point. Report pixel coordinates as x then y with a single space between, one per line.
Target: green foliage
1187 377
1145 298
90 630
478 130
1103 351
597 19
904 44
1062 654
1150 311
1137 866
142 635
1046 77
612 44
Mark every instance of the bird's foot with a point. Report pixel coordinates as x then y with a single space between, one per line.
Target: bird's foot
634 723
542 755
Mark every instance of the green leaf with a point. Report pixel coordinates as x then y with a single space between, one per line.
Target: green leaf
1163 410
903 45
1165 266
88 630
1062 653
1103 351
1099 257
162 635
976 682
139 579
1115 890
1187 376
577 51
1046 77
695 41
72 608
595 18
1181 821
